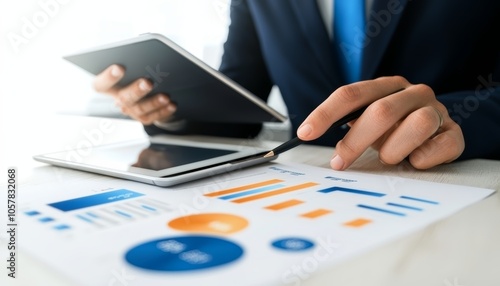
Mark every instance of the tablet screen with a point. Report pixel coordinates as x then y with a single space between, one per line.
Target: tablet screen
163 156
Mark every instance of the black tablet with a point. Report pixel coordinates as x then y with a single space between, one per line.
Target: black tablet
200 92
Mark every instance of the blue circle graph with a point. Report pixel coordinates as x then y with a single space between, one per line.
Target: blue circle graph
292 244
183 253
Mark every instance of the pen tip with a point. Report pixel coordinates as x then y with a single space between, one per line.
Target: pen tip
270 154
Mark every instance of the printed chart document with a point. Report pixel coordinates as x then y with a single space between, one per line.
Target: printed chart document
269 224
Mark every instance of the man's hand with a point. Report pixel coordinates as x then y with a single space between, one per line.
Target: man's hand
409 123
131 98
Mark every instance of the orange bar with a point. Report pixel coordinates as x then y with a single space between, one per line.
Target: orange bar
316 213
275 192
243 188
357 222
284 205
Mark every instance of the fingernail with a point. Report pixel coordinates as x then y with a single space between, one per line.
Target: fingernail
172 108
304 130
337 163
162 100
115 71
143 85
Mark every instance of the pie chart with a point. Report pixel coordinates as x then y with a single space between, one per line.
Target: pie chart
183 253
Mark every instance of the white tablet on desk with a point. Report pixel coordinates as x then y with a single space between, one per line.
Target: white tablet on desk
159 160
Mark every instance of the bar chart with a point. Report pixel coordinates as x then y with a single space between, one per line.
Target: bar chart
123 212
307 194
99 211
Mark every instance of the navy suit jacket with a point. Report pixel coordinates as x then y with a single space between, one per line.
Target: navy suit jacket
450 45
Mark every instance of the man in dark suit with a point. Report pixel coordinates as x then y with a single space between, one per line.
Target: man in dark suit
429 71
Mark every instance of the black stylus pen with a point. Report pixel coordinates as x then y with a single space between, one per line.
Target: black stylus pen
296 141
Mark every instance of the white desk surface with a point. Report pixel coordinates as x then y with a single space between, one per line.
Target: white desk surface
463 249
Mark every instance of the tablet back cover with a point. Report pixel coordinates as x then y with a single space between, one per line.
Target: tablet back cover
200 92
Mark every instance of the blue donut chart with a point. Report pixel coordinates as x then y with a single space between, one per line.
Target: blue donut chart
292 244
183 253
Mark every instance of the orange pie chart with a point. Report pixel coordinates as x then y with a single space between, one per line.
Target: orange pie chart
214 223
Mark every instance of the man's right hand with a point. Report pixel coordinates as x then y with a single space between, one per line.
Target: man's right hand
131 98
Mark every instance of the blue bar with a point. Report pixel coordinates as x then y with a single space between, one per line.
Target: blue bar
46 219
62 227
405 206
92 215
251 192
84 218
32 213
148 208
353 191
419 200
94 200
123 214
381 210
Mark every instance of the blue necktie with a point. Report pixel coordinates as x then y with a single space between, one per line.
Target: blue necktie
348 27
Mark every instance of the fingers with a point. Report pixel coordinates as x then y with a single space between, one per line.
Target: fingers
413 132
132 98
377 120
428 136
147 111
442 148
410 123
347 99
131 94
133 102
105 81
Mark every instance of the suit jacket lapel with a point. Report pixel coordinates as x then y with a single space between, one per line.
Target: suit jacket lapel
378 41
313 28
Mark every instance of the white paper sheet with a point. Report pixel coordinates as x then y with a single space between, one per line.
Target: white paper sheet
269 225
